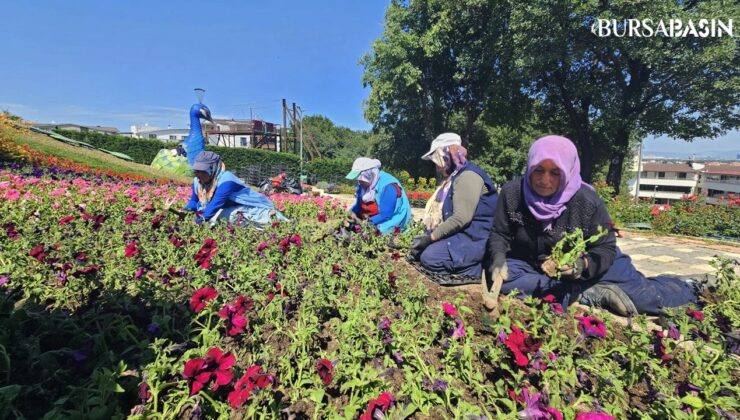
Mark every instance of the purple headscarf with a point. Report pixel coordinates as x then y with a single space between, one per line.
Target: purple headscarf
564 155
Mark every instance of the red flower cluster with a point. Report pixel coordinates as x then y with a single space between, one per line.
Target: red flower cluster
217 366
456 327
38 253
233 315
252 378
697 315
200 297
325 369
10 231
381 404
659 346
520 344
97 220
66 219
207 251
658 208
556 307
131 250
294 239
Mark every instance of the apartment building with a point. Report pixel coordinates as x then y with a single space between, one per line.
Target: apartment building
664 182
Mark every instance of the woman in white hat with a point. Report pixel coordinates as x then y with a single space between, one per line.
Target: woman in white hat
380 198
458 217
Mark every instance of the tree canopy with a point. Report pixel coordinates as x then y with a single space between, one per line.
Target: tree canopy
501 72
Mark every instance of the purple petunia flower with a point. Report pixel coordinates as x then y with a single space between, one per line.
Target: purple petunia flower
153 329
4 280
398 357
673 332
439 385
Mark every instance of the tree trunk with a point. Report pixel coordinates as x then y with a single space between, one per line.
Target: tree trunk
616 165
587 161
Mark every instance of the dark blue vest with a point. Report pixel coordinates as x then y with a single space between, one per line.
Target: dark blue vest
469 245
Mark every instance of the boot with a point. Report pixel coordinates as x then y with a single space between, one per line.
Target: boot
609 296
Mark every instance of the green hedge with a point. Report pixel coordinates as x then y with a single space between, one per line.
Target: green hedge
236 159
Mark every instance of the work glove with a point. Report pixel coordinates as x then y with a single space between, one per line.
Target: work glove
419 244
574 271
352 219
497 273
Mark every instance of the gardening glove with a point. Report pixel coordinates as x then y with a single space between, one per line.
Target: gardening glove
352 219
418 244
573 272
497 273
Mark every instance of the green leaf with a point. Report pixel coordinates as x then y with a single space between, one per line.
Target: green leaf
693 401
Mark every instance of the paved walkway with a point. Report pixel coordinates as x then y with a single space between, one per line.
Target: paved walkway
654 254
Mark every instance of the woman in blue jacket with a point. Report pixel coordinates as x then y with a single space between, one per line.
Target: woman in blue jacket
379 196
219 195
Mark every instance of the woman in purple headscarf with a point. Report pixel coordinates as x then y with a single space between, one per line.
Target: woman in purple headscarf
534 213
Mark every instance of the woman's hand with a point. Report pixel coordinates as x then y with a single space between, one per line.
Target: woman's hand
565 272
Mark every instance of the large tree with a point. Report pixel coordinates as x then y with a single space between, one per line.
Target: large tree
605 91
334 141
434 69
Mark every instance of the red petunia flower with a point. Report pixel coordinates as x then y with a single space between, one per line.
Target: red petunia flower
593 416
243 304
200 297
197 374
131 250
591 326
520 344
296 239
697 315
235 322
221 365
392 279
207 251
381 404
177 242
321 217
325 369
66 219
549 298
38 253
241 393
449 309
262 246
131 218
10 231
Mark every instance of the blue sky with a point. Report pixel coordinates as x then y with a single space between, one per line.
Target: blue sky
136 62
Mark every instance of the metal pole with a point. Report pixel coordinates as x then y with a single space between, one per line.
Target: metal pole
639 171
301 138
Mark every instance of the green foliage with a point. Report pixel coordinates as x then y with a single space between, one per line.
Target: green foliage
236 158
607 92
336 142
332 170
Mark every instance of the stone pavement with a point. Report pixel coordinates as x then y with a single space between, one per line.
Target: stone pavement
654 254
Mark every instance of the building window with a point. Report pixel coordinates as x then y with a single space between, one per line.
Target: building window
152 136
682 175
173 137
661 175
643 174
243 141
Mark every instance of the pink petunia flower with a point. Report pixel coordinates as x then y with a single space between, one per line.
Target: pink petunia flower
591 326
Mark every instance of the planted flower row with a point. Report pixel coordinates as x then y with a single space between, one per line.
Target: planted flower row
129 311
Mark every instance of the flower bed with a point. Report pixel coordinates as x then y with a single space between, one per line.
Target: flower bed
113 307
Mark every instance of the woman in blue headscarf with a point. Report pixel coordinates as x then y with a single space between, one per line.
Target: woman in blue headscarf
219 195
379 197
534 213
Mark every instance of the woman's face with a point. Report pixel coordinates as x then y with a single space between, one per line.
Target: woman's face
545 178
364 184
202 176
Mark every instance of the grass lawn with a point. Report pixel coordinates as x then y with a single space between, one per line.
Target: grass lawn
93 158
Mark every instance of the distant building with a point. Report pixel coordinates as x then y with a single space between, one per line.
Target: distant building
256 134
156 133
664 182
720 179
78 128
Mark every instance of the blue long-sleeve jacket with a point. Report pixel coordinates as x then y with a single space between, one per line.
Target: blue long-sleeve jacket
230 191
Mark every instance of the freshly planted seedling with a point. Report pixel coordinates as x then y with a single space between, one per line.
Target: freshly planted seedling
568 250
